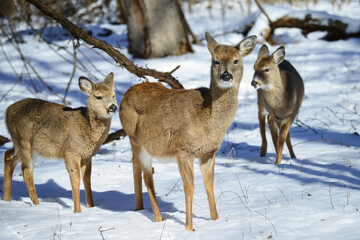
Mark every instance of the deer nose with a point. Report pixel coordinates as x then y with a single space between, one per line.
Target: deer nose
226 76
112 108
253 83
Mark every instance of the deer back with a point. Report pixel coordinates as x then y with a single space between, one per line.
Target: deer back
162 119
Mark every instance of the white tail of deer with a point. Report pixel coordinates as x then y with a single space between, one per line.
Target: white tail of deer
280 91
184 124
56 131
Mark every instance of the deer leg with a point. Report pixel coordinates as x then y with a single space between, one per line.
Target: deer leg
289 145
274 132
86 177
149 182
282 137
10 162
137 172
262 132
72 164
186 167
207 164
146 165
28 173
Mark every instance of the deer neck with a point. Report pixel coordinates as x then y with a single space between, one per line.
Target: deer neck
220 106
99 127
276 95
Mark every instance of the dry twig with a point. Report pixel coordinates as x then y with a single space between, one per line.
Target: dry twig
28 63
73 70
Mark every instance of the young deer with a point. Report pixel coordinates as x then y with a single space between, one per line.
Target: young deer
184 124
280 91
56 131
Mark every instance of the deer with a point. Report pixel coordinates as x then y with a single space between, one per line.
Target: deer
55 131
280 92
183 124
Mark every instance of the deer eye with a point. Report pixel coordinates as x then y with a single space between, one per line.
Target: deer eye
266 70
216 63
236 61
98 97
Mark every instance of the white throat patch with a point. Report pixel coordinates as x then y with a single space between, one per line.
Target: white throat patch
226 85
264 87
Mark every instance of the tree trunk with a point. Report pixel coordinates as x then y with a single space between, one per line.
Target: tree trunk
7 8
156 29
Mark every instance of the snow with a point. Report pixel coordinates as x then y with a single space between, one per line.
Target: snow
316 196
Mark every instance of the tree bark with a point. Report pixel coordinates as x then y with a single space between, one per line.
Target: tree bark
156 28
116 55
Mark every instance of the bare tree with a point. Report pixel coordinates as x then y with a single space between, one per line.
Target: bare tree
156 28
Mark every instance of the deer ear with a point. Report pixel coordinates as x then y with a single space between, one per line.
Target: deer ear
109 80
86 86
247 45
263 52
211 43
278 56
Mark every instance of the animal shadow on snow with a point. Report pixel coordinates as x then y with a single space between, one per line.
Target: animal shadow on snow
110 200
305 171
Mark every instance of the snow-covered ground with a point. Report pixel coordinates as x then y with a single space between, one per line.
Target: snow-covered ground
316 196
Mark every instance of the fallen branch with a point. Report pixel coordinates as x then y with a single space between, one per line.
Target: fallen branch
336 29
115 136
4 140
111 137
105 230
116 55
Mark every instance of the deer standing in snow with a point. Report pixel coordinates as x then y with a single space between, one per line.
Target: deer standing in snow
184 124
280 91
56 131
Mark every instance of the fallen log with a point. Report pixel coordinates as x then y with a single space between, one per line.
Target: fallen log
336 29
311 21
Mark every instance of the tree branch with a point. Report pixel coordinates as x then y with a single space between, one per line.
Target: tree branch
4 140
115 136
263 11
116 55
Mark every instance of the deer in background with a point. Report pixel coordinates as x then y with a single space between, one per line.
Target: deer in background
280 91
184 124
52 130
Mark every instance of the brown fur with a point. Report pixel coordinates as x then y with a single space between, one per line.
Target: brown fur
280 92
56 131
183 124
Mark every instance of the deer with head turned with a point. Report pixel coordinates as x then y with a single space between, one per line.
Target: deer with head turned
280 91
55 131
184 124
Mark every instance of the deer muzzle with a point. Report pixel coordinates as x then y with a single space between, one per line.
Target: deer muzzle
255 84
112 109
226 76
